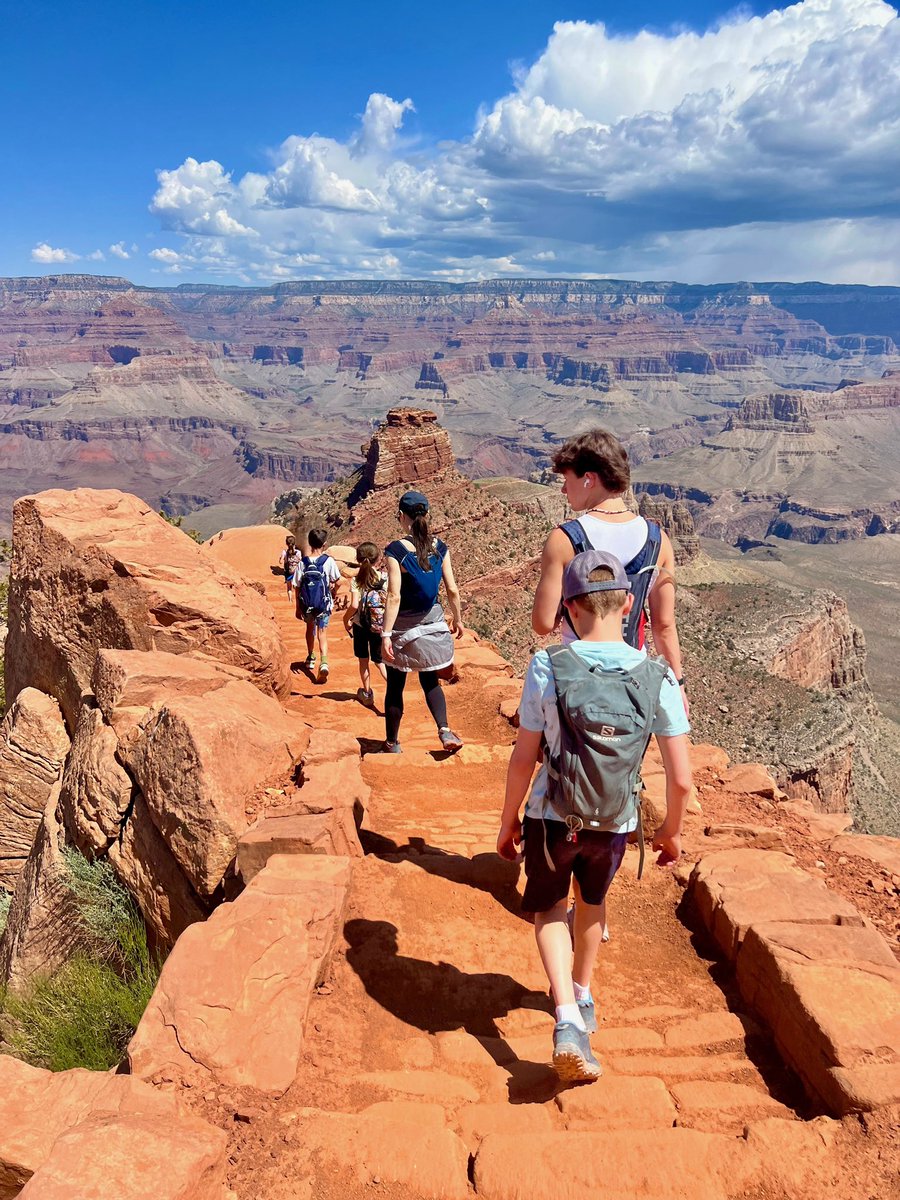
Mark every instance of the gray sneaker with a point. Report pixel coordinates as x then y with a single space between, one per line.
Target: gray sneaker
573 1059
365 697
587 1014
391 748
450 740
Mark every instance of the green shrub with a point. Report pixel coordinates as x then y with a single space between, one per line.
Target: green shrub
5 901
85 1014
194 534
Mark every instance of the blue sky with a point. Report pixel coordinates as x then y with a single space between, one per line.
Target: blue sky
250 143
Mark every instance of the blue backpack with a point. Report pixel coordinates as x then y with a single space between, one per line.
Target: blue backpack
640 572
314 594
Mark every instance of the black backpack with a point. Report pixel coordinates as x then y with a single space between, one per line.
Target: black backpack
639 571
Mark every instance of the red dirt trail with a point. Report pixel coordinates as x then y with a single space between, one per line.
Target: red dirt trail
436 1008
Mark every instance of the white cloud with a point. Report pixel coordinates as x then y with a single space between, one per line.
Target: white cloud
764 146
96 256
43 252
117 250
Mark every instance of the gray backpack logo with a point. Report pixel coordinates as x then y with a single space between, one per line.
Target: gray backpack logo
605 722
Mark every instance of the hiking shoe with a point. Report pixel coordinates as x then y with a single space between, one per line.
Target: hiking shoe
573 1059
310 662
588 1014
365 697
323 672
391 748
450 740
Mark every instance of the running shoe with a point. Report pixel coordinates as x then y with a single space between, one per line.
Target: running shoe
450 740
573 1059
365 697
323 671
391 748
588 1014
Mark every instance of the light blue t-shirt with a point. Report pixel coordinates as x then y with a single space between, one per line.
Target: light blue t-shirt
538 712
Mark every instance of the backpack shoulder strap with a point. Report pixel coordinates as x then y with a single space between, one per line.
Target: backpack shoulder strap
576 535
640 571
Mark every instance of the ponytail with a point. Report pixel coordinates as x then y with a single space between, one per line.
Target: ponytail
368 577
420 536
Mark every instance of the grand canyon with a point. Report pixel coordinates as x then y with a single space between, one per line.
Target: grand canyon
342 996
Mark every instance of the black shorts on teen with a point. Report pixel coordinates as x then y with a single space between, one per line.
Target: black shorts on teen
366 644
593 859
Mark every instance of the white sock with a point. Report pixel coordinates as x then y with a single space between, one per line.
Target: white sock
570 1014
582 993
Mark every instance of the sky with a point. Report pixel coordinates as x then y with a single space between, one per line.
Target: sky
255 143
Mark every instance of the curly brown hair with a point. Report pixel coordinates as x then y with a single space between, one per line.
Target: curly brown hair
599 451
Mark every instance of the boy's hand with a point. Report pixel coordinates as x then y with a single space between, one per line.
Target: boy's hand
668 843
509 839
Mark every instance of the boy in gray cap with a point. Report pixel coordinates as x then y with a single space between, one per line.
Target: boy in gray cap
588 710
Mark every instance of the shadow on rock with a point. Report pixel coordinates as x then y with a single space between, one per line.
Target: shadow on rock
485 872
439 997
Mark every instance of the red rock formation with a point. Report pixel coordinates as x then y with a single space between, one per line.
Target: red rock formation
409 447
99 569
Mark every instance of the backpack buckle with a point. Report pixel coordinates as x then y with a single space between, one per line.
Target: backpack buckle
574 824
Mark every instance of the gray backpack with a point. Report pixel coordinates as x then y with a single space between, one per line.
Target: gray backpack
605 723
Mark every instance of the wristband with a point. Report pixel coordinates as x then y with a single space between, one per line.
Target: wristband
387 634
680 681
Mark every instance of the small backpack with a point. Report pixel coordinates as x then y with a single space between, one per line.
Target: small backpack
429 581
605 722
291 559
371 609
314 594
639 571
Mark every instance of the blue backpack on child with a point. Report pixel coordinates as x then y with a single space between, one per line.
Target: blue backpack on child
314 594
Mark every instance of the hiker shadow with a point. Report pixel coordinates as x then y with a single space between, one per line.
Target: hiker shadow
486 872
439 997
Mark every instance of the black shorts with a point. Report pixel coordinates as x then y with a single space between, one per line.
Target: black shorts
593 859
366 644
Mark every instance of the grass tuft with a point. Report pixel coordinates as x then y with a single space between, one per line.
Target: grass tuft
85 1014
5 901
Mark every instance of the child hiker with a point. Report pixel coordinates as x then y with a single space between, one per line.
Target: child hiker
288 559
364 619
596 703
315 580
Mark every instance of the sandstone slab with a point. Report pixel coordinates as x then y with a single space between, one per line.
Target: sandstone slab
40 931
197 759
750 779
37 1107
96 569
732 835
694 1096
33 746
619 1102
133 1157
706 1029
733 889
232 999
831 996
322 817
391 1144
476 1121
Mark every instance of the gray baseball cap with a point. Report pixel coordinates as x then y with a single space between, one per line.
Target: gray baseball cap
576 577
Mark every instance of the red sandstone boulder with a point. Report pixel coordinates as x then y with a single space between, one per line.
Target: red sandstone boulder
98 569
37 1107
40 930
33 745
734 889
831 995
133 1157
198 759
232 999
322 817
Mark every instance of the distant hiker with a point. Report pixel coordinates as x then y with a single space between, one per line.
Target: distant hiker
592 706
415 636
288 560
315 581
364 619
596 475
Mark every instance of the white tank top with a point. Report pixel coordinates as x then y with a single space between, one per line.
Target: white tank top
624 539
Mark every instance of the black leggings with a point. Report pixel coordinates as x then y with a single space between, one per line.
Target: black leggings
393 700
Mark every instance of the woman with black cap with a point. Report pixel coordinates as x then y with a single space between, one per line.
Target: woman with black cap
416 636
